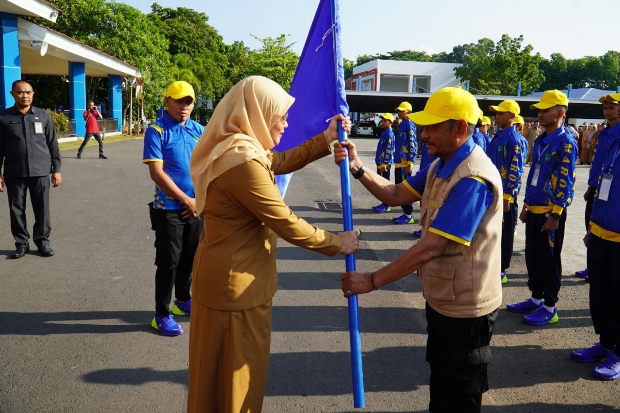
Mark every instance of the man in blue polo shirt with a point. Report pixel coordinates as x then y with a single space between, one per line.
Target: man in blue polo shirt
603 243
168 146
549 191
405 151
458 257
505 153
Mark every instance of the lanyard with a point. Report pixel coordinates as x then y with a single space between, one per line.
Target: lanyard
543 151
613 160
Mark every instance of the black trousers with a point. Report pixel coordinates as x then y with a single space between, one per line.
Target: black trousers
458 353
176 240
384 173
604 273
399 176
508 237
543 257
97 137
589 204
39 188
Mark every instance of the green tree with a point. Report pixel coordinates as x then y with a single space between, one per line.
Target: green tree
611 69
121 31
348 67
238 57
496 69
189 34
555 71
276 60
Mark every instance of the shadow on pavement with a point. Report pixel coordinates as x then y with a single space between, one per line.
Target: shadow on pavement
91 322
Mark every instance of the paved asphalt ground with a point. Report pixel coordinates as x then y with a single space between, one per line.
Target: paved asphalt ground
75 333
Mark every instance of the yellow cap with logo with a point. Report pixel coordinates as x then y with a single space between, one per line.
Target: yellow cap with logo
550 99
612 98
404 106
448 103
507 106
387 116
180 89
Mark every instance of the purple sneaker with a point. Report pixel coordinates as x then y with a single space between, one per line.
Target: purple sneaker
582 273
541 317
381 208
404 219
609 369
596 353
166 325
526 306
182 308
417 234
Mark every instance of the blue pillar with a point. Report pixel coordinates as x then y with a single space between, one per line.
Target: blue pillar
467 85
617 89
414 85
115 99
10 68
570 88
519 89
77 96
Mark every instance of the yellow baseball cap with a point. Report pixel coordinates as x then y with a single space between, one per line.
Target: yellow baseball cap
550 99
404 106
448 103
507 106
180 89
387 116
519 119
613 98
486 120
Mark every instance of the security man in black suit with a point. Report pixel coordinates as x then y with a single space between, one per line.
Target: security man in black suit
29 152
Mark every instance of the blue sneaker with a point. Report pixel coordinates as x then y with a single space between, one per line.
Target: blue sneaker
166 325
182 308
381 208
582 273
404 219
609 369
526 306
417 234
541 317
503 277
596 353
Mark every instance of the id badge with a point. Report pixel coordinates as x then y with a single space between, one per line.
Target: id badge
38 127
603 192
535 176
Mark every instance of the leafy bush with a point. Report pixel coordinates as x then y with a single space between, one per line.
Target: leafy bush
61 122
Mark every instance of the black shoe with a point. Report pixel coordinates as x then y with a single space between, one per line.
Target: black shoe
79 156
46 251
103 157
20 251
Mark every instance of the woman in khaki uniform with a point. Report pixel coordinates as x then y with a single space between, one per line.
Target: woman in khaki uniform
234 274
587 149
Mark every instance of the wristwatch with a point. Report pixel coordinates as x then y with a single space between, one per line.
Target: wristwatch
360 172
555 216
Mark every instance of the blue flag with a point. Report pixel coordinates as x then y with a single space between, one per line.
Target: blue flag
318 83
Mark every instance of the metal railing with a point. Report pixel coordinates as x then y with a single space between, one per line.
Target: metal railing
105 125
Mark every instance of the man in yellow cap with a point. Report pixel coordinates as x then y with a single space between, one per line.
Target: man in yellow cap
505 153
168 146
602 241
405 151
485 124
610 113
458 257
384 157
549 191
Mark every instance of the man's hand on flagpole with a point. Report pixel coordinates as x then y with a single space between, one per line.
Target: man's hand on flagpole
331 133
344 149
354 282
350 243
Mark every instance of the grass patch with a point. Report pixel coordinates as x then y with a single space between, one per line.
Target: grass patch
74 145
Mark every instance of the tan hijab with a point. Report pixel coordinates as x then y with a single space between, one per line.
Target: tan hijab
238 131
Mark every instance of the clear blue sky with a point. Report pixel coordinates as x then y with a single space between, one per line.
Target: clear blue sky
575 28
